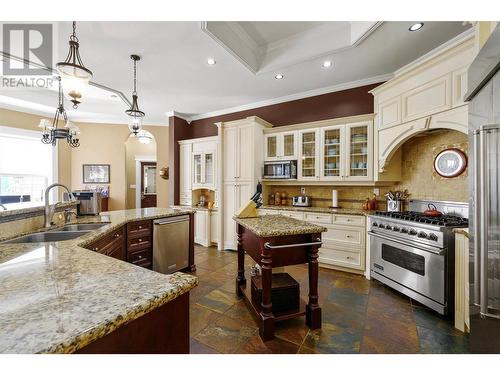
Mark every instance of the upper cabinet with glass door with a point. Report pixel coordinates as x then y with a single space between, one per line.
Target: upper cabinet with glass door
204 165
280 146
309 154
332 153
359 158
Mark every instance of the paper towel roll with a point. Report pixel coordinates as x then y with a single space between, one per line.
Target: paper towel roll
335 198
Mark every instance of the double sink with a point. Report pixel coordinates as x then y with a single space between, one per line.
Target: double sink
67 232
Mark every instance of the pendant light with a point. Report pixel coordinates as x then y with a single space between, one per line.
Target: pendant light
75 76
136 115
50 130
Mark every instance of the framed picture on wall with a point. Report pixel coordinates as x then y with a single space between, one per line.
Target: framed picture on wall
96 173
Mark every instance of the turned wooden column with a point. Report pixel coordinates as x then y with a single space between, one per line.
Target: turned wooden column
266 328
240 278
313 311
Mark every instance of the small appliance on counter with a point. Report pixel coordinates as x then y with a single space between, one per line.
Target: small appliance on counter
90 202
281 170
202 201
302 201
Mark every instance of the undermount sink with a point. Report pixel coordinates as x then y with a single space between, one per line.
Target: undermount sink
80 227
51 236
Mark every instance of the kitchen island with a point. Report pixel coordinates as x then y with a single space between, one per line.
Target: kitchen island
277 241
60 297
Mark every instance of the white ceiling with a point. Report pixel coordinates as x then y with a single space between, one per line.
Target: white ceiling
173 74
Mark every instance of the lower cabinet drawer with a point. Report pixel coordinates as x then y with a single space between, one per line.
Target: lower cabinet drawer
293 215
140 256
340 258
343 236
135 244
318 218
356 220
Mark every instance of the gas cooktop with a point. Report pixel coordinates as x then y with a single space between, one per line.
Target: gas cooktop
419 217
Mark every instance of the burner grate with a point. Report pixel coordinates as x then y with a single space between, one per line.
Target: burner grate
419 217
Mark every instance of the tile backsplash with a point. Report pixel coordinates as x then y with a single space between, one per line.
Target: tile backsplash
418 176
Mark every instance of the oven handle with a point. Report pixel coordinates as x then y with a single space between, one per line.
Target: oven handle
433 251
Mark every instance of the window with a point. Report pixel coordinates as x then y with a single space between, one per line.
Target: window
27 166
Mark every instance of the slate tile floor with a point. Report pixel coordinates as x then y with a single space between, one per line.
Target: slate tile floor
359 316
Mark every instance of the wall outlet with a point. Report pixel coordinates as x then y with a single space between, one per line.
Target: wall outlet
303 190
376 191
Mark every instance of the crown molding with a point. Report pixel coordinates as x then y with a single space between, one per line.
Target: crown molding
297 96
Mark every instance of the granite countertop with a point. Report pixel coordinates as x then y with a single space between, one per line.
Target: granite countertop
58 297
278 225
326 210
194 207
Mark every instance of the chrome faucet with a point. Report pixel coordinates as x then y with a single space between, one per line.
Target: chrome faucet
5 208
49 211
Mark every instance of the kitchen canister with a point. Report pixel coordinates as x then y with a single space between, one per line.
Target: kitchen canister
335 198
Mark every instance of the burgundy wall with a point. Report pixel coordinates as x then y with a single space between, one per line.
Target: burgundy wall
351 102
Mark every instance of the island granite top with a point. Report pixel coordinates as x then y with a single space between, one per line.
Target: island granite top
278 225
59 297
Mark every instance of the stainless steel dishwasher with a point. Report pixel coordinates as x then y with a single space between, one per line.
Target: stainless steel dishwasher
171 244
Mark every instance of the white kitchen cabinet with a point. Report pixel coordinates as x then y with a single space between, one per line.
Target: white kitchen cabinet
202 227
359 152
185 178
308 163
242 150
281 146
198 160
344 242
214 227
332 159
204 170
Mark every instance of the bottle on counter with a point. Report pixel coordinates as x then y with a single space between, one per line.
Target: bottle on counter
277 199
366 204
284 199
270 200
373 203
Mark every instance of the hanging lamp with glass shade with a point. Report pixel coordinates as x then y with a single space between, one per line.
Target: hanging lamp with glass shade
134 113
50 130
144 137
75 76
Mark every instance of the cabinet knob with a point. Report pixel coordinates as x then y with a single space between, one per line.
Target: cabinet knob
96 248
140 226
117 235
348 236
140 256
348 257
140 239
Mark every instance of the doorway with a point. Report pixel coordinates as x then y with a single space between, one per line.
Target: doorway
148 184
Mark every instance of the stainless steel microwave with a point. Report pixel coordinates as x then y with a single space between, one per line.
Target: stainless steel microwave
284 170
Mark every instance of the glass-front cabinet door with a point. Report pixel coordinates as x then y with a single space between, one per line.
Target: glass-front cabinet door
308 157
332 153
197 173
289 145
208 163
271 147
359 161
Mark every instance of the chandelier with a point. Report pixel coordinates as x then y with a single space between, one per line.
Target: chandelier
144 137
135 114
50 130
75 76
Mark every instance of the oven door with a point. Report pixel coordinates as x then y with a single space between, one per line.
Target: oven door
421 270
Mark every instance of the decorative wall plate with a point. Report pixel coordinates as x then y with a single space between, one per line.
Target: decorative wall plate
450 163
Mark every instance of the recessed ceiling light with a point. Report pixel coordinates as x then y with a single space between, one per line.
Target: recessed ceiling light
416 26
211 61
279 76
327 64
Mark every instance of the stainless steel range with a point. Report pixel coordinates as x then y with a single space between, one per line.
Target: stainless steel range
414 253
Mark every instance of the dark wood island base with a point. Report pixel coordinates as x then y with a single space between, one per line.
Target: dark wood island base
164 330
276 251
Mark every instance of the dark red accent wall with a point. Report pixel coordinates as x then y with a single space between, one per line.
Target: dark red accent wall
351 102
